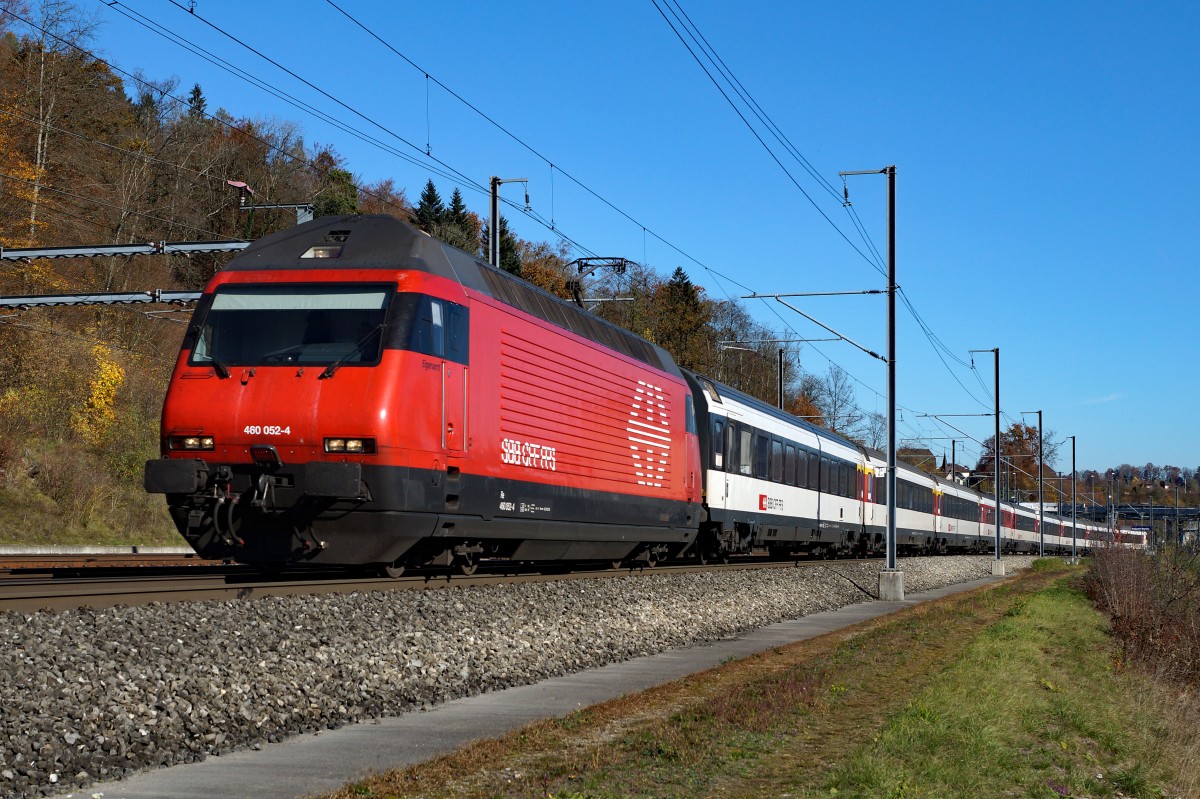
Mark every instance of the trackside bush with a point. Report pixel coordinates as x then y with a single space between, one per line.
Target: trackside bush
1153 603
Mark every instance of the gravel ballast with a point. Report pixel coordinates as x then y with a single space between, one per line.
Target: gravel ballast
97 694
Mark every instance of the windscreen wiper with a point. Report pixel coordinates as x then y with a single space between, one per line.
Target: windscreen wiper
222 369
333 367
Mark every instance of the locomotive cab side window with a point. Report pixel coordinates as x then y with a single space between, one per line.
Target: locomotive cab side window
431 326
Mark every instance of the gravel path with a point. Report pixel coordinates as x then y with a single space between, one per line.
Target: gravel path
88 695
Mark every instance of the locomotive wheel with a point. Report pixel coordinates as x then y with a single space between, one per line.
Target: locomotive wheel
392 570
617 565
467 568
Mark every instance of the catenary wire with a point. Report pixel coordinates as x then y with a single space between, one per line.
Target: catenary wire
742 92
551 226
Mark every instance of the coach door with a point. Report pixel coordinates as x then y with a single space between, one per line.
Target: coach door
738 463
725 465
450 326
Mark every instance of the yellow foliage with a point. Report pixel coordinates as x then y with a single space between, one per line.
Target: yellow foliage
97 414
42 277
19 190
28 404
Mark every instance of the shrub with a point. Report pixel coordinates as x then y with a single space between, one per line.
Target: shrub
1152 601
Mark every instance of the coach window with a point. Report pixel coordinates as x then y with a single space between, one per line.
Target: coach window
844 479
825 484
731 452
763 456
718 441
776 460
789 465
745 450
814 471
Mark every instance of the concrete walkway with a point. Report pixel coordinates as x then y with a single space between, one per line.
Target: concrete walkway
326 761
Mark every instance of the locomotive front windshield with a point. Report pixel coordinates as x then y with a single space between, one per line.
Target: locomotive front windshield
316 325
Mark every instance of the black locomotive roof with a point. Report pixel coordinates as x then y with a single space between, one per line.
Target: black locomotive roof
384 242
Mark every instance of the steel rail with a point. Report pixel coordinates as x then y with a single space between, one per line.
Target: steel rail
69 593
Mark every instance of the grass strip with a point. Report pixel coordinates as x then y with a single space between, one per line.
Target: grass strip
1005 691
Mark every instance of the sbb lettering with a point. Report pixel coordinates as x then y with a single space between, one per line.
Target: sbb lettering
769 503
524 453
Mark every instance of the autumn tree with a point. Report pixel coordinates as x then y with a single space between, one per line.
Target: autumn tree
804 400
384 197
873 432
337 196
1019 454
545 265
55 73
744 354
835 397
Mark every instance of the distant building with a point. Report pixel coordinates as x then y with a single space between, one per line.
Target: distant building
955 473
921 458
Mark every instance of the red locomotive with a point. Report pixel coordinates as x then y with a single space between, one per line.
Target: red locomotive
354 392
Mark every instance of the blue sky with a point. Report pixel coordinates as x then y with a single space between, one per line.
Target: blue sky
1045 196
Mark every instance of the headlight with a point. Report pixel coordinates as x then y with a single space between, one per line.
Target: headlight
190 442
358 446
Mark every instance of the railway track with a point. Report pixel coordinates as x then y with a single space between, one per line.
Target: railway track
16 560
67 588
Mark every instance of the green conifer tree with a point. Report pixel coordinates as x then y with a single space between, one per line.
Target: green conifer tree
457 212
196 104
510 250
430 211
